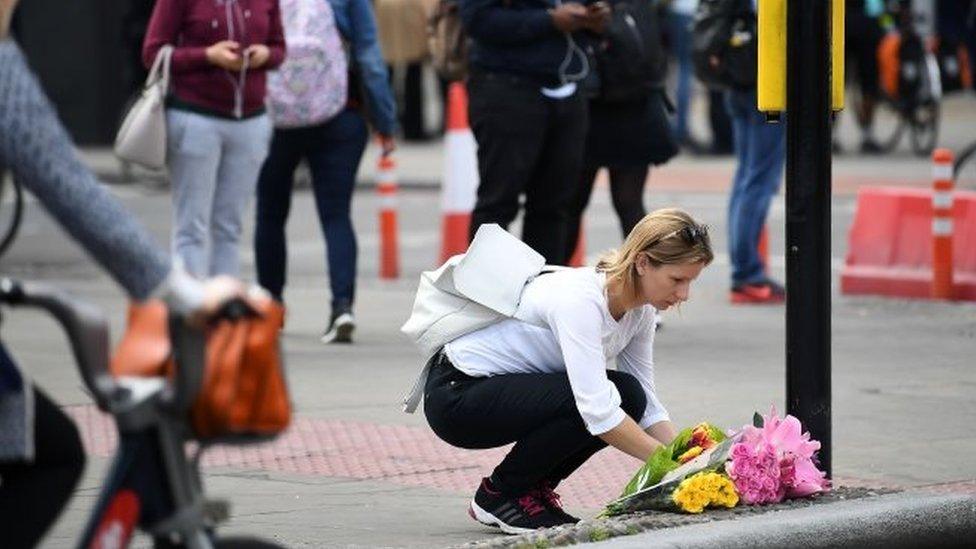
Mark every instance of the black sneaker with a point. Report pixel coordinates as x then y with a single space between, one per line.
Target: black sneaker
514 515
550 499
341 326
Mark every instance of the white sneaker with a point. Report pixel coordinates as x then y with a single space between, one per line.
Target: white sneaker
340 330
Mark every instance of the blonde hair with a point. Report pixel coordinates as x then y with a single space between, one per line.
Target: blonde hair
662 236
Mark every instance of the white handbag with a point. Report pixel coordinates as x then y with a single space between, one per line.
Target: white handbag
469 292
142 135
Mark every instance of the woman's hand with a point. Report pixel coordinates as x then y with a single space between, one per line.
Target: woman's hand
569 17
630 439
257 55
597 17
226 55
663 431
217 291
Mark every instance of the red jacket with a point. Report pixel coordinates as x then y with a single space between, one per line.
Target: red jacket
193 25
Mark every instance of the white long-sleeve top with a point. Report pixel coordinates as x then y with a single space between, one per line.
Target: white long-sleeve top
563 324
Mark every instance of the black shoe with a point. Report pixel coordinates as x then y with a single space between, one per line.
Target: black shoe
514 515
341 326
550 499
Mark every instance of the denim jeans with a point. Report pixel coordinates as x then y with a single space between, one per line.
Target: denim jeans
760 149
679 29
333 151
213 166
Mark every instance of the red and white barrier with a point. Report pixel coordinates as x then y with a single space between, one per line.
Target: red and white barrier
460 185
386 188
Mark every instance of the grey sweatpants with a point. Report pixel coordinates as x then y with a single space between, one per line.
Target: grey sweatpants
214 165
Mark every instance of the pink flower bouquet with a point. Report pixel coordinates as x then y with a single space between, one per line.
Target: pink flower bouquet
775 461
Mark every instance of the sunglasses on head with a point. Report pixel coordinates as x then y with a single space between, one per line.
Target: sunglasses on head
690 234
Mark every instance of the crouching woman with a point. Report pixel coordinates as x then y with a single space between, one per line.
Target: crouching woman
541 381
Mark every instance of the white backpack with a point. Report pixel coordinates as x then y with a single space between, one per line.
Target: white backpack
312 84
469 292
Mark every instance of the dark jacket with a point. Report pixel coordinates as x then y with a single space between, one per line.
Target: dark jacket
517 37
191 26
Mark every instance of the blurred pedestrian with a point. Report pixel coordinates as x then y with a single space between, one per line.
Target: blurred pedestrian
760 150
527 113
403 39
333 149
41 455
760 147
862 34
956 24
680 14
218 131
628 131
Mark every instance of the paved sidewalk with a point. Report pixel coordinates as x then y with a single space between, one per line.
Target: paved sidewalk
356 472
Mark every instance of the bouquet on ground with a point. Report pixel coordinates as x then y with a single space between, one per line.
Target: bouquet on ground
765 462
773 460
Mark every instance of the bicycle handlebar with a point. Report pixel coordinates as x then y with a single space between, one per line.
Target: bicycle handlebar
88 332
85 325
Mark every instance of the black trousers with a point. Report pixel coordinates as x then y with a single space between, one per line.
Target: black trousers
32 494
527 144
535 411
626 192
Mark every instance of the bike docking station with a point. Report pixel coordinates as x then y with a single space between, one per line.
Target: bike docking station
801 79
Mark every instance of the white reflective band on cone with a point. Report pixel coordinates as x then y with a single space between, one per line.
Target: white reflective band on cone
385 178
942 172
460 186
942 199
388 201
942 226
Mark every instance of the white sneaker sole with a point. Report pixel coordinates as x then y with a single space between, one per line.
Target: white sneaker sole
488 519
341 331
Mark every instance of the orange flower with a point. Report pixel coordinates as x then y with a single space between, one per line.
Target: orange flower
690 454
700 436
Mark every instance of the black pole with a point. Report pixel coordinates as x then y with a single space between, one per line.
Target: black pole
808 139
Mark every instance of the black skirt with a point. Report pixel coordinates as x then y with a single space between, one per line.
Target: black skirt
633 133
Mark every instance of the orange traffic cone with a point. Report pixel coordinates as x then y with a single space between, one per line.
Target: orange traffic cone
386 188
460 183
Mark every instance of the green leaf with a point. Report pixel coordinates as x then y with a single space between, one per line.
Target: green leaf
717 435
757 420
658 465
680 442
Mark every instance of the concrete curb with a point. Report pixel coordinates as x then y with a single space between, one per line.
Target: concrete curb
848 517
896 520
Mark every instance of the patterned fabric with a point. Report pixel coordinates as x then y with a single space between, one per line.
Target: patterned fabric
35 146
16 411
311 86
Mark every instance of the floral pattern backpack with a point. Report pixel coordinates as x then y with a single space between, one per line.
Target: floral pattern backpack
311 86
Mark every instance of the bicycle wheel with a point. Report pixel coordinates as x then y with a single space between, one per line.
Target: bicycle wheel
925 128
965 168
889 125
